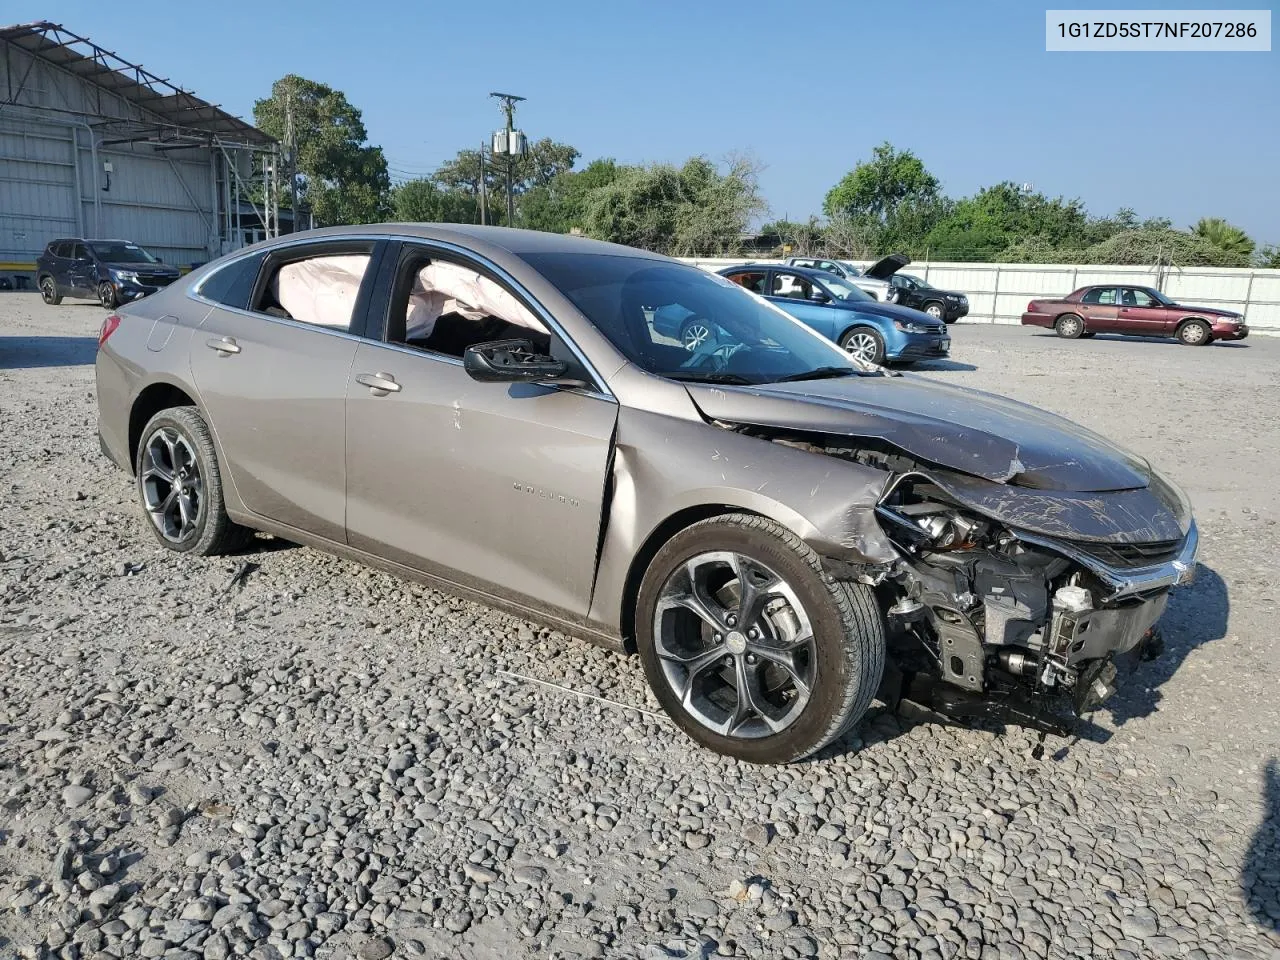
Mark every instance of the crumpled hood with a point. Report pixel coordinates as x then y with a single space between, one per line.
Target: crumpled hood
158 269
969 431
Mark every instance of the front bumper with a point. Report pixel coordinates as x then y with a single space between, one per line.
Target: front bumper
921 348
954 311
130 290
1230 331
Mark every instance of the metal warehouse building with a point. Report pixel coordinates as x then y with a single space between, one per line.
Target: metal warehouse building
94 146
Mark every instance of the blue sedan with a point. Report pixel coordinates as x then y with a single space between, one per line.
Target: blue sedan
865 327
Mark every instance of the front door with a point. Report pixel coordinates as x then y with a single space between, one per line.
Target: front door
1100 310
1141 313
82 272
273 381
496 486
795 294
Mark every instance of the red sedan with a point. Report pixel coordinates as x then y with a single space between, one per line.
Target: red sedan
1136 311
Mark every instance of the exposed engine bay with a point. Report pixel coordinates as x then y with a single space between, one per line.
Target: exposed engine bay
987 620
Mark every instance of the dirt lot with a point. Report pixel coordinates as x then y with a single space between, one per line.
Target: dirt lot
318 760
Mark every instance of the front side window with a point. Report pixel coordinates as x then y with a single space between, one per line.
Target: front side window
791 286
78 252
116 251
444 307
641 305
320 290
1100 295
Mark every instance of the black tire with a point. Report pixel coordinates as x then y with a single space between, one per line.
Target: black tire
1069 326
1195 333
936 309
214 532
49 292
855 337
107 296
847 625
1088 335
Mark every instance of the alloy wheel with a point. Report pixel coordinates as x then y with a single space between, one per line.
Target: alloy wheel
862 346
695 335
48 292
934 310
1193 333
172 489
1070 326
107 295
735 645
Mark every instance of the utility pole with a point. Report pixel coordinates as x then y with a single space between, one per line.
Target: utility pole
291 144
513 144
484 193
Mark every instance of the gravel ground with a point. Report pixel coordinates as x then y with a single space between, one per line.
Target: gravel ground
312 759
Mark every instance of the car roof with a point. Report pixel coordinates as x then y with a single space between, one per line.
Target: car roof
811 272
508 239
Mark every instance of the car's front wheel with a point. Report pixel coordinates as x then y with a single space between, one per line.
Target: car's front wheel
180 485
863 343
49 292
752 648
107 296
935 310
1195 333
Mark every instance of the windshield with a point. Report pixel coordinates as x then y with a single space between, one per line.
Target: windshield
843 290
1157 296
685 323
117 251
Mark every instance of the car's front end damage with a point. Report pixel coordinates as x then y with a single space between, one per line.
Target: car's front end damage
1015 588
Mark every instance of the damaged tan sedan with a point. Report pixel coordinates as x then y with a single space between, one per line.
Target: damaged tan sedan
767 521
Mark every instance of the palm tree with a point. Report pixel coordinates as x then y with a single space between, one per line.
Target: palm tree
1224 236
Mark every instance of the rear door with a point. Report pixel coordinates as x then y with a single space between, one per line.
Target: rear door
271 369
1100 309
794 293
1141 313
81 271
499 487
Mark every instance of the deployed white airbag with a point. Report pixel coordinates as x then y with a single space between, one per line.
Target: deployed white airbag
321 290
441 288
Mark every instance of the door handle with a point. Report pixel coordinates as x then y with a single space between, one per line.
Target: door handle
379 384
224 345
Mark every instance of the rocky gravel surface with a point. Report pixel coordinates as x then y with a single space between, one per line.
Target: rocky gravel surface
282 754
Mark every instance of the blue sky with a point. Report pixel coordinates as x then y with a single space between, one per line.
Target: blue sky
967 86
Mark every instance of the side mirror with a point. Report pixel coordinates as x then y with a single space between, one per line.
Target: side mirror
510 361
819 297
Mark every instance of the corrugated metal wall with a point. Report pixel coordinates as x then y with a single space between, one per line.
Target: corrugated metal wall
52 178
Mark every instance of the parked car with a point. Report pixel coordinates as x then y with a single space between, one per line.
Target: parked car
945 305
879 289
765 519
109 271
871 331
1136 311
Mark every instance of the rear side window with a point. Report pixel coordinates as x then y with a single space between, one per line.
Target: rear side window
232 285
1102 295
753 281
319 290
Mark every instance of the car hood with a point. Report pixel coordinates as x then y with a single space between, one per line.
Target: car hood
886 267
1205 311
964 430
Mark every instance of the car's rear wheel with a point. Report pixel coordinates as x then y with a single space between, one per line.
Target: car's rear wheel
1069 326
935 310
49 292
1195 333
863 343
750 646
107 296
695 332
180 485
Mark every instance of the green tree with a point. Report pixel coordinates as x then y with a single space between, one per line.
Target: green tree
1173 247
891 198
560 204
1224 236
1269 258
339 175
693 209
426 201
996 217
546 159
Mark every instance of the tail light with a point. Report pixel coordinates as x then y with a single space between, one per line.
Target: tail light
1031 307
108 328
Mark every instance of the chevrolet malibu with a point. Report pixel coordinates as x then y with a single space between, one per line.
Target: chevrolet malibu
765 519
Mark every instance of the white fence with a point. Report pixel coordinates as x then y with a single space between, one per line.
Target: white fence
998 292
